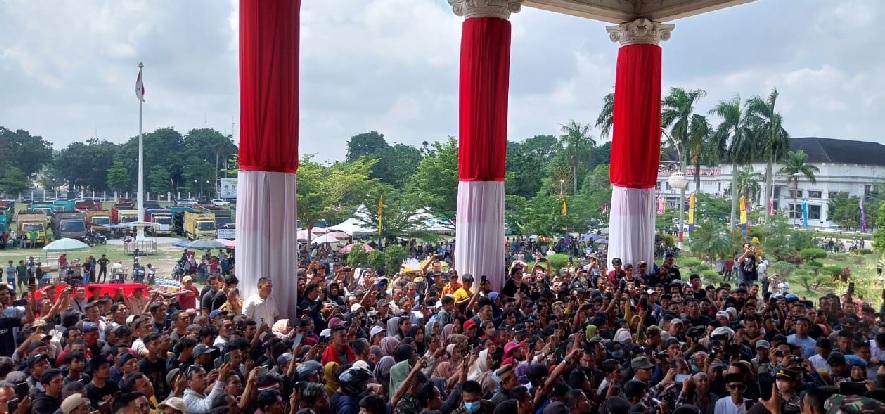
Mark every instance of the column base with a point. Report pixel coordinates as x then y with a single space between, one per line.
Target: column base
479 231
266 237
632 225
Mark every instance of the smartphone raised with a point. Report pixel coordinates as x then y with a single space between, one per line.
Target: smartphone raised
680 378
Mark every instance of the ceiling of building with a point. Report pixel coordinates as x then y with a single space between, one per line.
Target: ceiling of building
621 11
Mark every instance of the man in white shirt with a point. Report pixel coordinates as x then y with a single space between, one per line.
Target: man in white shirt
734 403
261 306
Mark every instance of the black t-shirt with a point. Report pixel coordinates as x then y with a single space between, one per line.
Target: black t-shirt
103 263
7 340
96 394
748 267
510 288
156 372
699 321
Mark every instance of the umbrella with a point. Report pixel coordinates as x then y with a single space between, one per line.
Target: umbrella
65 245
338 235
230 244
346 249
205 244
319 230
180 243
325 239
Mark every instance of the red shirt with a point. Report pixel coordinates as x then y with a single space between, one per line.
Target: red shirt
189 301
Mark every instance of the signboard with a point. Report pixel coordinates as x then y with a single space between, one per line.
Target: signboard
227 188
168 286
227 234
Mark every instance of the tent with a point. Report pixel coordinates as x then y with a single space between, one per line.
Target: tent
354 227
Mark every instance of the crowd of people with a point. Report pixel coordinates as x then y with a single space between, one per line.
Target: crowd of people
633 338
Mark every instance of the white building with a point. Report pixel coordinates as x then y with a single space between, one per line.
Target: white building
853 167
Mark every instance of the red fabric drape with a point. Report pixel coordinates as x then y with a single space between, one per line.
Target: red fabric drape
636 138
484 87
109 289
269 85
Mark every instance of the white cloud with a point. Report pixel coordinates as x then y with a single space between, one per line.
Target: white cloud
68 68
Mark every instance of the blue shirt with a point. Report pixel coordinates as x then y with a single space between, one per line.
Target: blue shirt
808 345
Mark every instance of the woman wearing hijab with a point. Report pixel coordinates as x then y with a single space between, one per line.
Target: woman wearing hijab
417 333
330 371
388 345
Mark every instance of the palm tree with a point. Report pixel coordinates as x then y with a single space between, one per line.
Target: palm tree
796 164
733 135
605 120
748 182
773 138
575 143
687 129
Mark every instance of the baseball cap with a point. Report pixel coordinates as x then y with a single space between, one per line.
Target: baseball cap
641 363
762 344
375 331
174 403
201 349
326 333
185 280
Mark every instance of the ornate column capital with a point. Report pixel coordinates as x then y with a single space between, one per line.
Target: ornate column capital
501 9
640 31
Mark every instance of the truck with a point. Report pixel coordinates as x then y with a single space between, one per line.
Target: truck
69 224
99 220
222 217
63 205
123 215
88 205
162 217
199 226
37 223
45 207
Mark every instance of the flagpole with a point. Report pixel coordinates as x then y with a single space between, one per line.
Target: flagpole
140 198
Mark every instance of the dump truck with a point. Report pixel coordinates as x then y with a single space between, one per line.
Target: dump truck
222 217
199 226
123 215
64 205
99 220
178 218
162 217
37 223
88 205
69 224
45 207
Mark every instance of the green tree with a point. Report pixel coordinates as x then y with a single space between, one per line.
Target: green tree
606 119
159 180
879 234
773 138
367 144
688 130
434 186
748 183
29 153
574 147
118 177
524 160
330 192
795 164
713 240
163 147
399 216
14 181
198 175
732 135
85 165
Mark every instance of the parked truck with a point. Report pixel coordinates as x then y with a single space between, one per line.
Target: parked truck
37 223
69 224
88 205
123 215
63 205
45 207
99 220
162 217
199 226
222 217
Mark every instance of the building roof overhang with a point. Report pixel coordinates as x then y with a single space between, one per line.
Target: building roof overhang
622 11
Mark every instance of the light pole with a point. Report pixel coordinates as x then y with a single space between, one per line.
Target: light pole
678 181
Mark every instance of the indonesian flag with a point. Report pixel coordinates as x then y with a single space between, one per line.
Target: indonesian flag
139 87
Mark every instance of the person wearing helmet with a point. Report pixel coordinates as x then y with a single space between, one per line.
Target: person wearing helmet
352 383
309 371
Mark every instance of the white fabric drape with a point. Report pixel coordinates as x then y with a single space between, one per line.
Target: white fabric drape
479 231
266 242
632 225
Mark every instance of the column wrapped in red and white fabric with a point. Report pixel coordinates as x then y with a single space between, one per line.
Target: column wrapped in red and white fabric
636 139
482 138
266 210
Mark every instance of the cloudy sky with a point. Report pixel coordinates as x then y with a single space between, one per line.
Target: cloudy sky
67 69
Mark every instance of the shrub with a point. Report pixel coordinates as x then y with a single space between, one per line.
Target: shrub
357 256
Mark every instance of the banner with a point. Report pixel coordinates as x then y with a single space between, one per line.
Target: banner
564 207
770 206
804 213
380 211
661 204
863 218
691 202
168 286
743 204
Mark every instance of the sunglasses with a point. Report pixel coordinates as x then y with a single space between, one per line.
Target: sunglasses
737 386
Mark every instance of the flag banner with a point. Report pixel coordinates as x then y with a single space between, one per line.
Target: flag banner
661 204
863 217
691 204
380 212
564 206
804 213
139 87
770 206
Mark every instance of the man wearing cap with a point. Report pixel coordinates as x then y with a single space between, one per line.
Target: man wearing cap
786 380
189 294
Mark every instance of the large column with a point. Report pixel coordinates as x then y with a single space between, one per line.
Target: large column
636 139
482 137
266 242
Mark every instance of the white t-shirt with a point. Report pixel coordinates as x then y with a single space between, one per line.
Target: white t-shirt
261 310
726 406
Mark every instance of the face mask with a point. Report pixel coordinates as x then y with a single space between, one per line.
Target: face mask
617 354
472 407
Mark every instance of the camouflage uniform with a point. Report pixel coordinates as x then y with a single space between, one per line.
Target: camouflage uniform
843 404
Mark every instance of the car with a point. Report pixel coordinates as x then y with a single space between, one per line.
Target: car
217 202
185 203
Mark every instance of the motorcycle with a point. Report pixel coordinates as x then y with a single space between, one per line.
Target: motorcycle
151 274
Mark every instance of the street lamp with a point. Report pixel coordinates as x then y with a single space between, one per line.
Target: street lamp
678 181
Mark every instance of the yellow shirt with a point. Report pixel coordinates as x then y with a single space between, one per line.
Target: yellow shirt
448 289
462 294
